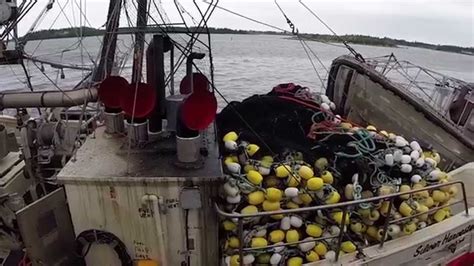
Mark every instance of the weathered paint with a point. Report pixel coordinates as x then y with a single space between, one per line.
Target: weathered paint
103 196
365 102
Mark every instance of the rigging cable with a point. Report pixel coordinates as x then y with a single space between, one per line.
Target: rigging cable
301 36
295 31
354 52
254 132
273 26
194 36
249 18
211 61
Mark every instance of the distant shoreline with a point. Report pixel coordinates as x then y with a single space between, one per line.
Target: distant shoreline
325 38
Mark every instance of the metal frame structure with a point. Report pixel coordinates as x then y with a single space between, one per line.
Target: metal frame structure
345 206
431 87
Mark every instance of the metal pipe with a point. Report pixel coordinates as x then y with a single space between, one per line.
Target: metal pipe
57 65
48 98
189 68
464 197
156 201
172 70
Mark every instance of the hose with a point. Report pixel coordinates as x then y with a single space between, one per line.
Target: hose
102 237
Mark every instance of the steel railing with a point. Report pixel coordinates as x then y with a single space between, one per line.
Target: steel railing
345 206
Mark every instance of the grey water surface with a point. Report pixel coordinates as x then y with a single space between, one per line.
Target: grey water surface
243 64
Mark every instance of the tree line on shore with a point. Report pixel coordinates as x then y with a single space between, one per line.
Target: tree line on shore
352 38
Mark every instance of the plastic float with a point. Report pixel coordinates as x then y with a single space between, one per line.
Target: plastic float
330 188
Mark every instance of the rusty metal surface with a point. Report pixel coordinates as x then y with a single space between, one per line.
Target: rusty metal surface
106 158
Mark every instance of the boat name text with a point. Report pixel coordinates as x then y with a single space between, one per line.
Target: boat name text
448 237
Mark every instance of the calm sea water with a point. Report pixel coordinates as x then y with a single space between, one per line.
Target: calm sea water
244 64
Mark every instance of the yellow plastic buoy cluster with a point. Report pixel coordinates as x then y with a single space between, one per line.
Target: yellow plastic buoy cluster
327 177
250 209
283 170
252 149
254 177
305 172
256 198
231 136
264 183
312 256
274 194
292 236
229 225
276 236
315 183
320 248
314 230
333 198
258 242
305 198
337 217
264 258
268 205
293 181
348 247
321 163
295 261
235 260
233 242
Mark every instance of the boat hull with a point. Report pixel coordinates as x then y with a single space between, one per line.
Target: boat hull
366 97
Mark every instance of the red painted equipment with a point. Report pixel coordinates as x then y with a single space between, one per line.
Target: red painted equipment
199 110
200 83
145 100
111 90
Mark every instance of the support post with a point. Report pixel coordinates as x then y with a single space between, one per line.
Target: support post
139 41
156 78
109 42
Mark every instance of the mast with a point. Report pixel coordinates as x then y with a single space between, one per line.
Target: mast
109 43
139 41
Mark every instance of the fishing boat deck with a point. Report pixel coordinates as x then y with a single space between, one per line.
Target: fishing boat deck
104 157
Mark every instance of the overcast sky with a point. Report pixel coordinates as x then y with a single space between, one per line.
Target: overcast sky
432 21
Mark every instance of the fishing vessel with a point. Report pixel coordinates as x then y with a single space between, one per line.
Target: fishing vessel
125 169
394 94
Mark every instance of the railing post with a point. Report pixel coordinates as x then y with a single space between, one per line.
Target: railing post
387 221
341 233
464 198
241 241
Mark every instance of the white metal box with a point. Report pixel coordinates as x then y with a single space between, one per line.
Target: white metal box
143 198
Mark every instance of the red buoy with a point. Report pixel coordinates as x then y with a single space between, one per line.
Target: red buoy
200 83
145 100
199 110
111 90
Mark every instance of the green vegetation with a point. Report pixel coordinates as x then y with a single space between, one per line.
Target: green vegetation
388 42
62 33
354 39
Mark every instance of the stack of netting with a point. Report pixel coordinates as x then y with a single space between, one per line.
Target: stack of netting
347 163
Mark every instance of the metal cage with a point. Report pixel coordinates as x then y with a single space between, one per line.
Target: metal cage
345 207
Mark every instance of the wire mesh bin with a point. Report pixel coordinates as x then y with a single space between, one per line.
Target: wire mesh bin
346 208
